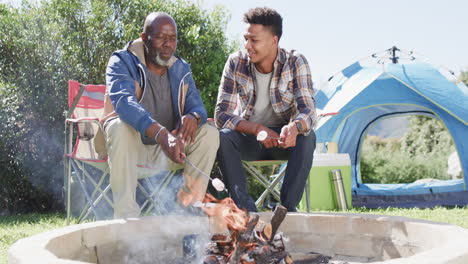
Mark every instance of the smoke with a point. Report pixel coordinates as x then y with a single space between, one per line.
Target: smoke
167 244
165 188
45 162
31 164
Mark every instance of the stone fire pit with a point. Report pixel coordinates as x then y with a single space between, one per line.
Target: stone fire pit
347 238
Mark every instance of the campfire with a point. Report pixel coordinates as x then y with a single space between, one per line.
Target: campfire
250 241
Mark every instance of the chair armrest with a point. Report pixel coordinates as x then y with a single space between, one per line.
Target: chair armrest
323 115
87 129
328 114
82 120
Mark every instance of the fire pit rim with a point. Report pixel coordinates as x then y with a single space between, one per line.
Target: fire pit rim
454 251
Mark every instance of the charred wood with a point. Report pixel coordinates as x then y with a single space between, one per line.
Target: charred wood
311 258
242 240
278 217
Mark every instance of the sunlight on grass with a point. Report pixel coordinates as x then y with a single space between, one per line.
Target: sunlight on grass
13 228
455 216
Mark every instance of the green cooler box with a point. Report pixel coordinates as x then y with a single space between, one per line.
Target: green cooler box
321 189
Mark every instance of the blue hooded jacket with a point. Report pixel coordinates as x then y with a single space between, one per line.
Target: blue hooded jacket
126 79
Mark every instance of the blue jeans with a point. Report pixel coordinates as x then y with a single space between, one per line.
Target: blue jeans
235 147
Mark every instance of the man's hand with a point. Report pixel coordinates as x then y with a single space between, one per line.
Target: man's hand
187 129
272 137
252 128
288 135
172 146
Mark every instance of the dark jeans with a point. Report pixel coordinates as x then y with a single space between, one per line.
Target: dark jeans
235 147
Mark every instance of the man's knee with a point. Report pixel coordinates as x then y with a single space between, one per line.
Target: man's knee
208 135
306 142
227 136
118 131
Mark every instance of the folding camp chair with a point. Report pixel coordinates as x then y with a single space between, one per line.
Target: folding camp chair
86 168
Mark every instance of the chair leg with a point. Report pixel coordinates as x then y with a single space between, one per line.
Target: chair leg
67 163
88 198
257 174
148 196
96 187
92 201
156 190
270 189
69 172
307 192
265 182
95 184
148 199
98 199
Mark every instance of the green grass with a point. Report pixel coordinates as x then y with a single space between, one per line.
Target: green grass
13 228
455 216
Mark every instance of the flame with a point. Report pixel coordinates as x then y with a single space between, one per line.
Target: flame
226 210
242 247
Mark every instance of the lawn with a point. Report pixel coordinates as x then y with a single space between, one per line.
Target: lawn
454 216
13 228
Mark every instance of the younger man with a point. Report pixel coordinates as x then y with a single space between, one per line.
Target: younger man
265 88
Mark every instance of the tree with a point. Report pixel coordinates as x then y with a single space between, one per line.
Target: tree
427 136
43 45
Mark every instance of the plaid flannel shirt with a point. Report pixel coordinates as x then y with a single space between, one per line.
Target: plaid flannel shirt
291 91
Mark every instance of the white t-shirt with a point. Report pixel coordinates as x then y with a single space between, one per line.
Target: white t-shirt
263 111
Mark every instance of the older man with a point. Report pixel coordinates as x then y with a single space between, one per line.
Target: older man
267 89
155 116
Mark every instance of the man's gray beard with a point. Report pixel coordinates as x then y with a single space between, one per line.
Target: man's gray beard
157 59
160 61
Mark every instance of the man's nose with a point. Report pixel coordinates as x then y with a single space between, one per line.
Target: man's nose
247 44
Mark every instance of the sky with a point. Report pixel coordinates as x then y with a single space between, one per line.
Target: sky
333 34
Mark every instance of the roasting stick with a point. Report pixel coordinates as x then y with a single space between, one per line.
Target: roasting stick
217 183
207 205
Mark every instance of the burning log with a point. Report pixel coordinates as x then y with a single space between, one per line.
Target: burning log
271 257
278 217
250 241
312 258
246 245
242 240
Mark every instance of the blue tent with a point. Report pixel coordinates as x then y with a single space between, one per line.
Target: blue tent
364 94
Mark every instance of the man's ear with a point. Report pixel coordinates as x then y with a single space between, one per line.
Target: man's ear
143 36
275 40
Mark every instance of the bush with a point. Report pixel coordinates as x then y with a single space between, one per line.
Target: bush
43 45
18 192
397 167
421 153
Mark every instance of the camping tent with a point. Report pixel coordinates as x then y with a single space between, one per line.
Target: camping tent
364 94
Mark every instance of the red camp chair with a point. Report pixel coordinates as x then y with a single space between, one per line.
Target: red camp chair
86 168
